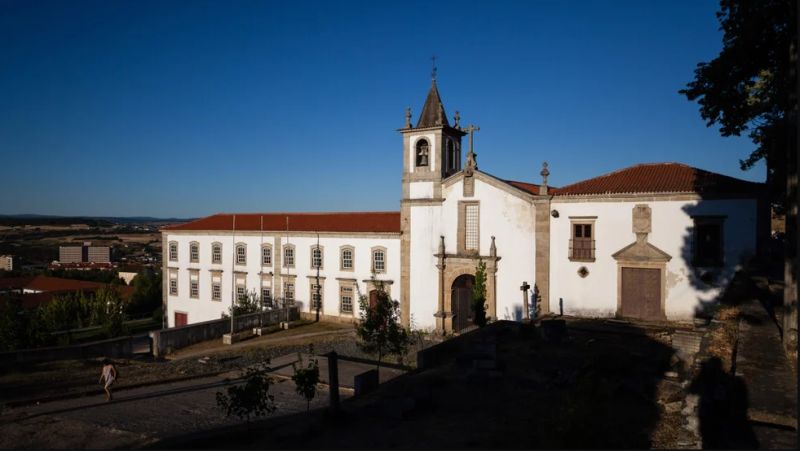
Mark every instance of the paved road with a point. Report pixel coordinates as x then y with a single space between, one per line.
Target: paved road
139 416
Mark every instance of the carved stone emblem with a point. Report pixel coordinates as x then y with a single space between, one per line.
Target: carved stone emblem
641 219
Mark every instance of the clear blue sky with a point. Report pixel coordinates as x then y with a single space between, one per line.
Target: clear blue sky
188 108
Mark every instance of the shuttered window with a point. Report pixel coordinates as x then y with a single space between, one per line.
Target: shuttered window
471 227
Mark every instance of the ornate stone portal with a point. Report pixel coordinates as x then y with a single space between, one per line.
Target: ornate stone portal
451 266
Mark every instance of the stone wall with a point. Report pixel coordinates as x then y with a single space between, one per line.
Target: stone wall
115 347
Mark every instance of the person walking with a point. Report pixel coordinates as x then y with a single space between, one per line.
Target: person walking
108 375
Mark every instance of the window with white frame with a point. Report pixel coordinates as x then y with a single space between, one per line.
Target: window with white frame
378 260
266 296
194 252
266 256
316 296
173 251
194 289
346 299
288 256
216 291
471 217
241 292
173 287
241 254
316 257
216 253
347 259
288 292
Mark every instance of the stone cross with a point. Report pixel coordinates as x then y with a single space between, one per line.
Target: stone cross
456 118
471 162
544 174
433 71
524 288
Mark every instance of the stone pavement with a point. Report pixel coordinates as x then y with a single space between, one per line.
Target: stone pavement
140 416
770 381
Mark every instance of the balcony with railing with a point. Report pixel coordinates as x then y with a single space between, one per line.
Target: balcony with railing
581 249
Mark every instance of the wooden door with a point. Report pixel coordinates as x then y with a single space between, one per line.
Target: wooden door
641 293
461 302
373 298
181 319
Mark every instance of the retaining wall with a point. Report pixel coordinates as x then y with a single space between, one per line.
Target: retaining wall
115 347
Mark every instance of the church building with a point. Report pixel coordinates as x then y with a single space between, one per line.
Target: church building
655 241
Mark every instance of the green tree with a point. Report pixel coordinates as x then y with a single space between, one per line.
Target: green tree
479 295
109 311
249 303
750 85
20 328
306 377
146 297
251 398
378 329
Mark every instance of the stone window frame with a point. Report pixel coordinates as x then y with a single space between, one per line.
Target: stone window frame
194 284
216 295
311 292
194 252
461 236
240 245
214 246
286 263
268 289
243 286
372 252
173 278
582 220
172 251
286 291
718 220
321 249
342 286
352 250
268 255
417 149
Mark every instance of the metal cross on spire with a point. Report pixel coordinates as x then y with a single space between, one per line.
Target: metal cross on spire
433 69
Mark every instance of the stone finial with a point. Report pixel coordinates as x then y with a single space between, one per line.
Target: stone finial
456 119
493 249
441 245
544 173
408 117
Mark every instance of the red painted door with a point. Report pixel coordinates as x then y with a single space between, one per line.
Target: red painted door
181 319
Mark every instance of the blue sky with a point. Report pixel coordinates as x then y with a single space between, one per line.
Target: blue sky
188 108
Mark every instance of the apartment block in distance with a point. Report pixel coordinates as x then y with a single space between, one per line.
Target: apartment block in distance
84 254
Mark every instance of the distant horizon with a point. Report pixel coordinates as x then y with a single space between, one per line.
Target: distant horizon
186 109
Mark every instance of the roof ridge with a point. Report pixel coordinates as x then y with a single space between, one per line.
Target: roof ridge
279 213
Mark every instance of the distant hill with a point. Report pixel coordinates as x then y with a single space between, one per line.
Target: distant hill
92 221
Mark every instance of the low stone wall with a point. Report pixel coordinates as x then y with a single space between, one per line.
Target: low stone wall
311 316
115 347
167 340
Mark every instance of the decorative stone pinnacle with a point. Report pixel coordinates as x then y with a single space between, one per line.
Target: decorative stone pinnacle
544 173
493 249
456 118
441 245
408 117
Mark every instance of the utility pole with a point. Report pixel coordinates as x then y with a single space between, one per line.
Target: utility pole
319 299
233 276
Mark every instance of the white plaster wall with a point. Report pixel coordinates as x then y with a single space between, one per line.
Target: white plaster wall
424 286
204 309
420 190
510 219
596 295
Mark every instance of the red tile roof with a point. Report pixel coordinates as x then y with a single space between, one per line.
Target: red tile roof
528 187
45 283
662 178
350 222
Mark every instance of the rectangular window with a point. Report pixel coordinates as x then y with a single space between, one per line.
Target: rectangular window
194 253
378 261
288 292
316 258
346 299
216 292
266 297
266 256
241 255
471 227
216 254
582 242
173 251
316 296
288 256
347 259
708 250
194 289
173 287
241 292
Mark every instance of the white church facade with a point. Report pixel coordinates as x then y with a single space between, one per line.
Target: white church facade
652 241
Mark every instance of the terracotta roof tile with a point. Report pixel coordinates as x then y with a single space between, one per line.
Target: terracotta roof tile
661 178
528 187
45 283
349 222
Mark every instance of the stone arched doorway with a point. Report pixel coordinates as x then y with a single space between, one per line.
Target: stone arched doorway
461 300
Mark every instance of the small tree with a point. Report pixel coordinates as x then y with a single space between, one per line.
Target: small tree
306 377
479 295
252 399
537 301
378 329
249 303
110 311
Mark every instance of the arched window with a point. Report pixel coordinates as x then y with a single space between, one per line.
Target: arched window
423 152
378 259
241 254
288 256
173 251
316 257
216 253
194 251
451 155
346 262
